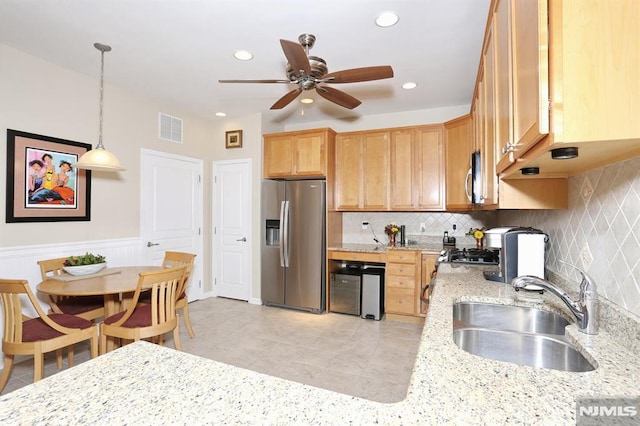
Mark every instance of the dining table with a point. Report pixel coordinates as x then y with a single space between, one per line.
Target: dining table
116 285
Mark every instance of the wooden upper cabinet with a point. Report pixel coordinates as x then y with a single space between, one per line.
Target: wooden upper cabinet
375 171
574 83
348 171
489 193
522 93
362 171
430 171
458 147
417 168
403 166
297 154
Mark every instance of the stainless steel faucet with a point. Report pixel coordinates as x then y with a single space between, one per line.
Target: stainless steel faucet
585 309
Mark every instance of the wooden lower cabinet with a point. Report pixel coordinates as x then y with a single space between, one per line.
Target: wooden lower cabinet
403 282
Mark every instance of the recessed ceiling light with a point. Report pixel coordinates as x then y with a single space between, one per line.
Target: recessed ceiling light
387 19
221 114
243 55
306 100
409 85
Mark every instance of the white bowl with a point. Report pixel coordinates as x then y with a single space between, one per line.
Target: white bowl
85 269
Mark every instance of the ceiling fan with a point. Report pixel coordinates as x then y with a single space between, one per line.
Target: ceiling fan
310 72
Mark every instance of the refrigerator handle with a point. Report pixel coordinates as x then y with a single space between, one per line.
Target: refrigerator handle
282 233
285 236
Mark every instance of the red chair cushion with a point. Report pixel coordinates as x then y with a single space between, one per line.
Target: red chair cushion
36 329
141 317
80 304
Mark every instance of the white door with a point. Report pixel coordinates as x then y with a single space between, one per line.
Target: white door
232 228
171 210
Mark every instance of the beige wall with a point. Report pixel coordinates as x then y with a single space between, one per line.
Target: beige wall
39 97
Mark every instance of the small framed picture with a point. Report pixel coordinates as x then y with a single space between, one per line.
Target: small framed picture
233 139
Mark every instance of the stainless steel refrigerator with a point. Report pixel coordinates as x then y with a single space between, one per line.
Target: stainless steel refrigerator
293 244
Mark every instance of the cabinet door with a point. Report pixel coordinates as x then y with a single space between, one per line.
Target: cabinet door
403 168
530 72
348 171
502 36
487 151
430 174
375 177
310 154
458 147
428 267
278 156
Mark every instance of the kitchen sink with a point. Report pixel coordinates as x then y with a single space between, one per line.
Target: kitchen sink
508 317
516 334
535 350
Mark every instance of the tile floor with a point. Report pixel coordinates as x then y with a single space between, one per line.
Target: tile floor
343 353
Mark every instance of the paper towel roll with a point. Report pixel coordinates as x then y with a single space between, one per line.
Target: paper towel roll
531 254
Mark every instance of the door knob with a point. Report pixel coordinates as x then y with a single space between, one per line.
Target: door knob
243 239
150 244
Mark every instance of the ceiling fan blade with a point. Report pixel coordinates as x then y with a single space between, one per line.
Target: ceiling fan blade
296 56
359 74
338 97
286 99
254 81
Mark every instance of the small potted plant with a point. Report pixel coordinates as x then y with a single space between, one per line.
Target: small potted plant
478 234
391 230
86 264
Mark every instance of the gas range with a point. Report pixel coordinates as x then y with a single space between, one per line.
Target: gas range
471 256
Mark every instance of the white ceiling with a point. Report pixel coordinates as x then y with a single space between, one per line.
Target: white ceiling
175 51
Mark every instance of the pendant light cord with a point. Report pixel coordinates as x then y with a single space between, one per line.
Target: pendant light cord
100 146
102 48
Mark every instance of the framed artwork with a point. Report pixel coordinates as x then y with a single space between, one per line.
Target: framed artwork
42 185
233 139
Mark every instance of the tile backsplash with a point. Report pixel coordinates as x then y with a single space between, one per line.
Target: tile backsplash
599 232
434 225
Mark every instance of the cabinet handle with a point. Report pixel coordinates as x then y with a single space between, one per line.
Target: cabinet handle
508 147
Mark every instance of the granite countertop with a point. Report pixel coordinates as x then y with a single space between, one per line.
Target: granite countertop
148 384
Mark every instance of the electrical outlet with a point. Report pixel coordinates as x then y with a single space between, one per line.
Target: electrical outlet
455 226
365 225
423 227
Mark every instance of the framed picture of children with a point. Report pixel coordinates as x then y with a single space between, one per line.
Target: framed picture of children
42 184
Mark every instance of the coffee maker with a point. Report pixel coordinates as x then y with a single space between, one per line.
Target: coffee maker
521 252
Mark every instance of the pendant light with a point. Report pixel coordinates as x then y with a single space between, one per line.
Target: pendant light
99 158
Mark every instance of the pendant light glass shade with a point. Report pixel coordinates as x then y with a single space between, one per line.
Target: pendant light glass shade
99 158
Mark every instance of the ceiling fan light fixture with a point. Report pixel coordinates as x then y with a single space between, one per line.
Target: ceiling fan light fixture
243 55
306 100
99 158
409 85
387 19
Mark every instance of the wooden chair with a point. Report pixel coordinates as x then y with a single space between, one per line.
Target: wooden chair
147 320
37 336
87 307
171 260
